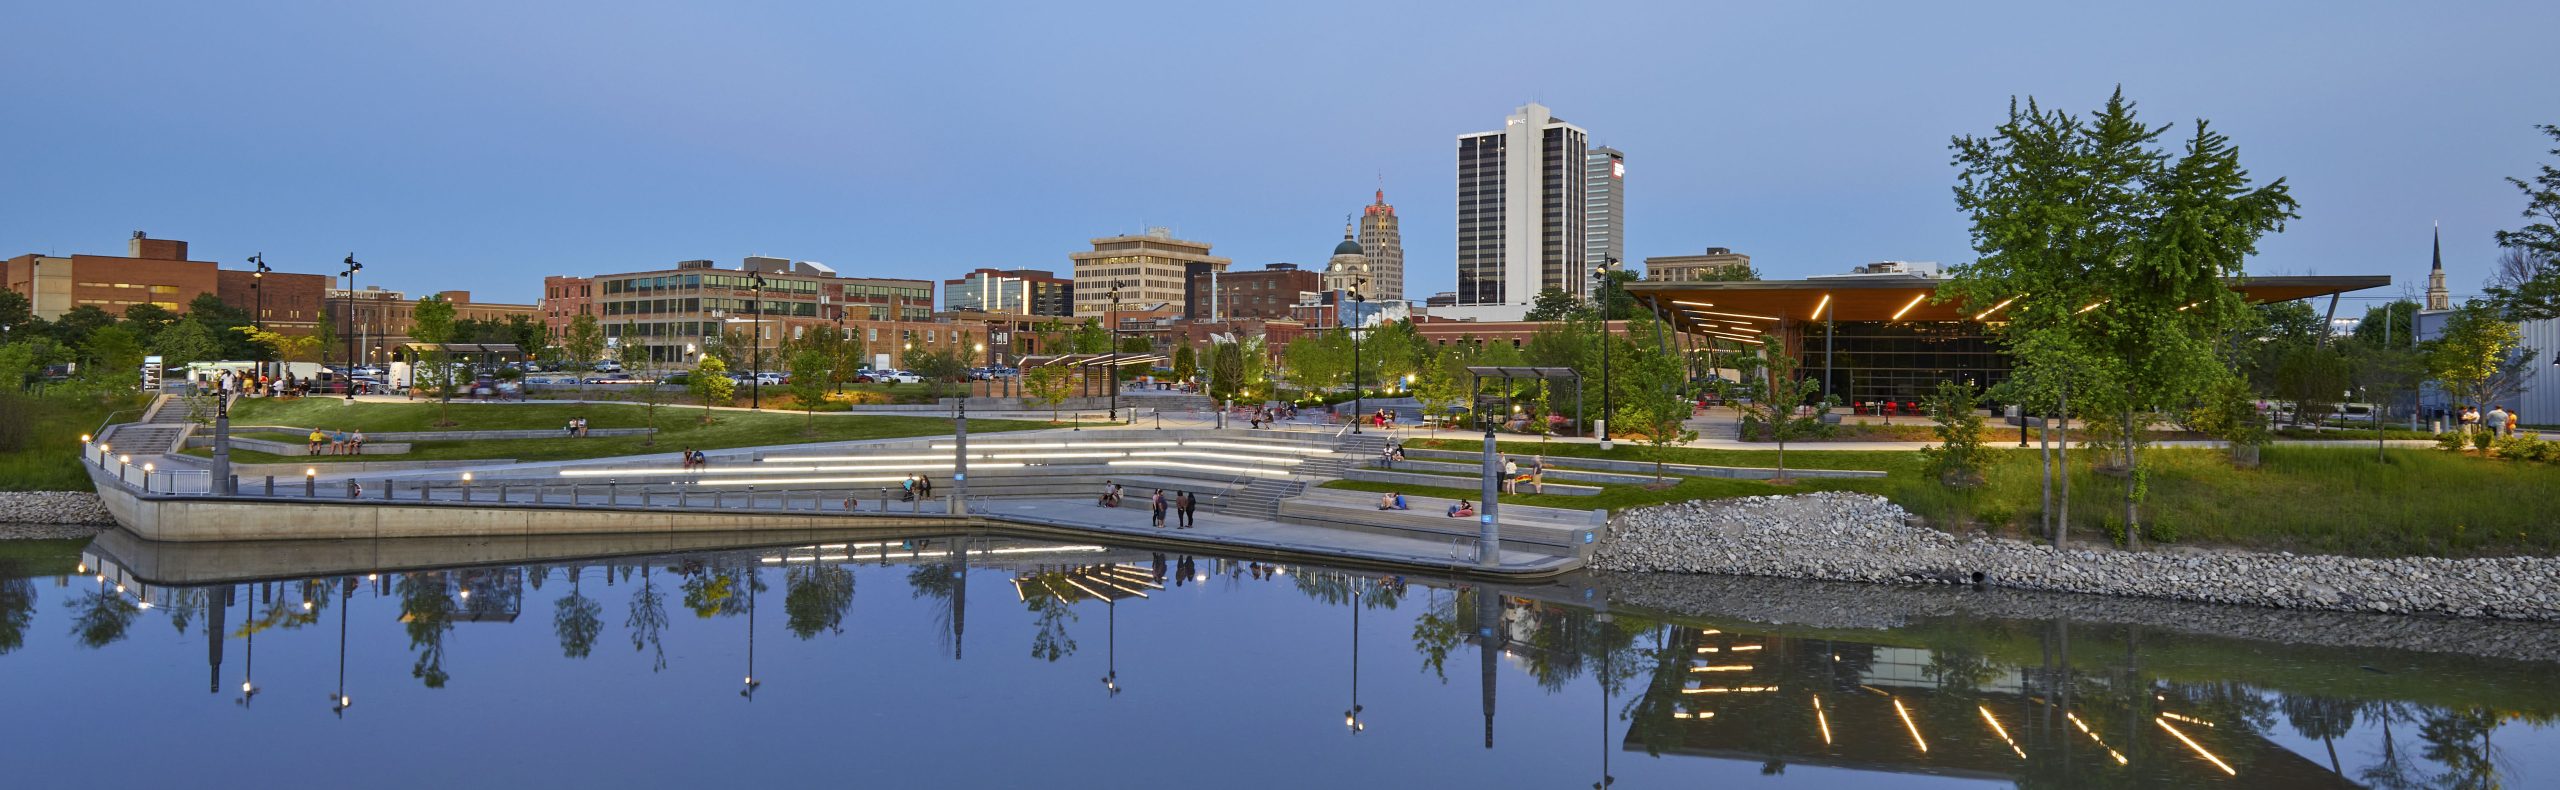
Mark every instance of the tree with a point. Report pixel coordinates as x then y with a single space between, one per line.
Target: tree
73 328
1317 362
2393 320
1957 458
1442 383
2537 296
116 359
432 322
17 317
1553 304
1656 402
808 385
528 335
187 341
147 320
288 348
1226 372
2112 256
1091 337
2387 375
1619 305
1186 363
649 396
1388 352
815 599
584 342
1047 384
2475 348
1771 393
325 330
939 368
710 384
577 619
2313 378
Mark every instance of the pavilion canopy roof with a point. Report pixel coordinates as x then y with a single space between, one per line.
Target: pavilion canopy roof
1753 306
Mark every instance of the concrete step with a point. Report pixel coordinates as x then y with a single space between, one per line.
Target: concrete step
1642 467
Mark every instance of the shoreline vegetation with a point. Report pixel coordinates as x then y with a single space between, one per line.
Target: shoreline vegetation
2329 500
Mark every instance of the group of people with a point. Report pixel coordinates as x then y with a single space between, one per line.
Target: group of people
336 442
1266 416
916 487
2500 421
695 459
1393 501
1535 475
1180 504
1382 419
577 427
1388 457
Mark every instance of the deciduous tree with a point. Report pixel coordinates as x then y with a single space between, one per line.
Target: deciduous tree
2537 243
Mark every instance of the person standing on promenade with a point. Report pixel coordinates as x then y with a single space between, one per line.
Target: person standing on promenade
1187 503
1157 505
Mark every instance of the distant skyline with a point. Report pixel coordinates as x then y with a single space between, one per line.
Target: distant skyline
480 147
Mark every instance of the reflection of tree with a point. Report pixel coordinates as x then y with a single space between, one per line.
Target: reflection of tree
17 610
2459 740
1051 613
2324 718
428 614
1336 587
1649 713
1437 631
939 582
711 590
577 619
103 616
183 604
648 620
816 598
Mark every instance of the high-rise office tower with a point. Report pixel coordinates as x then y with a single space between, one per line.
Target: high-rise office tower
1604 210
1520 214
1384 243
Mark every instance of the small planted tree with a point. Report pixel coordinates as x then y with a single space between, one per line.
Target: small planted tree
1047 384
1770 392
1226 372
808 385
584 342
710 384
1657 403
649 396
1957 459
432 322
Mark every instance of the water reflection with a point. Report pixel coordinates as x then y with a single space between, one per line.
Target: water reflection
1678 694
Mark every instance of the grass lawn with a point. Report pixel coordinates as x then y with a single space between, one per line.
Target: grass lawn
677 429
51 461
2317 499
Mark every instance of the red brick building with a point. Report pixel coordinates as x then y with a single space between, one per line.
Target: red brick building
157 272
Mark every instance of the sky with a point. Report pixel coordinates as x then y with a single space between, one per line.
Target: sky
482 145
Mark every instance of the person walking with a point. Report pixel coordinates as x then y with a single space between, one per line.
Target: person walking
1510 476
1187 503
1157 505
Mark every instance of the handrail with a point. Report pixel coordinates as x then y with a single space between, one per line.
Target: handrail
110 420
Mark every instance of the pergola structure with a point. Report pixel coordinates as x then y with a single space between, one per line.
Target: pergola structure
1084 364
1508 374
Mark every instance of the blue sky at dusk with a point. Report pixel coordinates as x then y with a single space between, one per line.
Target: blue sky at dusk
481 145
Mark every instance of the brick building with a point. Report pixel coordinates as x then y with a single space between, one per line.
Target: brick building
563 300
158 272
1266 293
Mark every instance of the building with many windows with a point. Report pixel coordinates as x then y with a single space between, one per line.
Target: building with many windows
1604 210
1382 240
1521 226
1149 268
1265 293
157 272
1717 263
563 300
1010 292
675 314
373 322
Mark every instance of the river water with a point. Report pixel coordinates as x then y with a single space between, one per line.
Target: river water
985 661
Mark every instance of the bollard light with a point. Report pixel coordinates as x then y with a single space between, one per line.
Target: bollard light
124 459
310 471
84 438
466 477
104 447
146 467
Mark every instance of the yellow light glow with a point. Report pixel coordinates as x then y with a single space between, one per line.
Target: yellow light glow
2092 306
1821 720
245 687
1709 632
306 606
2187 719
1818 306
1994 308
2093 736
1205 467
466 477
1725 668
1693 304
84 438
1687 715
1730 690
1735 315
1907 723
1906 308
309 471
2003 732
147 466
1741 648
2192 744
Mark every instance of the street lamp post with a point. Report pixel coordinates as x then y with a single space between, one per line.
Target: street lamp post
755 359
257 277
1607 265
1358 407
350 274
1114 357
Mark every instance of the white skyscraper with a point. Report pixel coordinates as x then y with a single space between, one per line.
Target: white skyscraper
1604 210
1521 222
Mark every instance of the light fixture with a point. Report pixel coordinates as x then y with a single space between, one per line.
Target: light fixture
1818 307
466 477
1906 308
2092 306
1736 315
2199 748
1994 308
84 438
1908 724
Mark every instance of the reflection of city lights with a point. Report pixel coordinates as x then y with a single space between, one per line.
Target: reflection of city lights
1725 668
2187 719
2192 744
2093 736
1740 648
2003 732
1913 726
1729 690
1687 715
1709 632
1822 720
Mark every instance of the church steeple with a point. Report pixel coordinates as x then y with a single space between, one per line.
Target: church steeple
2438 299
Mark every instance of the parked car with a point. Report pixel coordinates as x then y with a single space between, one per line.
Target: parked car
897 377
608 366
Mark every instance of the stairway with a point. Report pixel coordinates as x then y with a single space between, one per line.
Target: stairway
159 435
1716 428
1353 450
1261 498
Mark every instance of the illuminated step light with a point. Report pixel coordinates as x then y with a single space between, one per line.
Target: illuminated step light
1203 467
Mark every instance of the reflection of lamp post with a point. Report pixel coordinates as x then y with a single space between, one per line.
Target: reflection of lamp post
1351 718
339 702
249 655
1111 649
1359 301
752 683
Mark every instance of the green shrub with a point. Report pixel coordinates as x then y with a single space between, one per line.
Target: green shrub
1995 515
2454 442
2114 530
2160 530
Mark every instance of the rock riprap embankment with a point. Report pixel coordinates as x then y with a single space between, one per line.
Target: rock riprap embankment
1860 537
22 510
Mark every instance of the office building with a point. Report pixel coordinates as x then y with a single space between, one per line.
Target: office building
1010 292
1382 240
1520 219
157 272
674 313
1265 293
1604 210
1717 263
1150 268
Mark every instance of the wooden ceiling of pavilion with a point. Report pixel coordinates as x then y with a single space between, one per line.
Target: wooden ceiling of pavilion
1732 306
